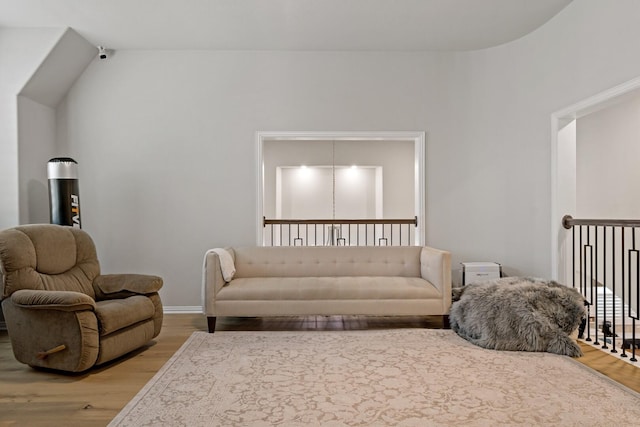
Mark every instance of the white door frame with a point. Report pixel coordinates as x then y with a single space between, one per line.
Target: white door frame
418 138
559 120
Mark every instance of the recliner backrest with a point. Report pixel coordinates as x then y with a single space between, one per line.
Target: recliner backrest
47 257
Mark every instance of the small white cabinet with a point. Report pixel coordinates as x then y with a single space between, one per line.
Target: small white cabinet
473 272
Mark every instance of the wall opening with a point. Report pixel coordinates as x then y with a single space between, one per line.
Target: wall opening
564 180
372 175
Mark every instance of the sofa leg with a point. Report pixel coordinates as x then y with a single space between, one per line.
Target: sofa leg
445 322
211 323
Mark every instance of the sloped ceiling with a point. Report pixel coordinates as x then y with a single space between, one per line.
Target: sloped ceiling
54 77
402 25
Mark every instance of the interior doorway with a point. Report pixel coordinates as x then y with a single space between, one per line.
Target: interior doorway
564 167
373 175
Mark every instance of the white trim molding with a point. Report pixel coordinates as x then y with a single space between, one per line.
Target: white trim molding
418 137
182 309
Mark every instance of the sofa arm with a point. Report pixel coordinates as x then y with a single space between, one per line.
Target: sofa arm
212 281
436 269
113 286
52 300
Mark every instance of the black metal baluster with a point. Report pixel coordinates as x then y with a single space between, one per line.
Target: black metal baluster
622 270
634 318
573 257
636 257
581 267
391 236
272 234
604 288
374 234
341 238
594 281
587 291
613 287
637 285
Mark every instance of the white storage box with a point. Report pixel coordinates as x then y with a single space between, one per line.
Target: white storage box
473 272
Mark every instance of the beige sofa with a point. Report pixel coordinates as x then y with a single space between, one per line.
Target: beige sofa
299 281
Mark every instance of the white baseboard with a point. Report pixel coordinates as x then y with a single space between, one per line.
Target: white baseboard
182 309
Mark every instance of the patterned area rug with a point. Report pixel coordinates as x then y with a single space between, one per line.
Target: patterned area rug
400 377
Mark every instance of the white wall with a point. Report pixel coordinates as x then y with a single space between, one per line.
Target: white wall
497 157
21 52
165 141
566 196
37 140
307 192
608 151
398 162
165 138
37 102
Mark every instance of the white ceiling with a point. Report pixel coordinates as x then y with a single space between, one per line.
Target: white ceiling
402 25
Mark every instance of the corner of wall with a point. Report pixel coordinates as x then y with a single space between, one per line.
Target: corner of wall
36 124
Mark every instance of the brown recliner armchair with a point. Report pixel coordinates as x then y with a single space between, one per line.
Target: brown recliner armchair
61 313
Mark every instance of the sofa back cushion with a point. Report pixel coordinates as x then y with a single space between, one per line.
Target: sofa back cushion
323 261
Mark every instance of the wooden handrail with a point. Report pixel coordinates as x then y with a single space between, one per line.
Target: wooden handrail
266 221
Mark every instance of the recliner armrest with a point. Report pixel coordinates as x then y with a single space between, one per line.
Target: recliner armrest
110 286
52 300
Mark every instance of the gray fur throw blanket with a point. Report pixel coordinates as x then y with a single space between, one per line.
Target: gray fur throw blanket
521 314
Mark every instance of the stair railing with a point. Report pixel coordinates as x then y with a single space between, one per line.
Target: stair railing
604 259
339 232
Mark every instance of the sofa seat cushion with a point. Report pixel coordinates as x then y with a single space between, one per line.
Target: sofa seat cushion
116 314
328 288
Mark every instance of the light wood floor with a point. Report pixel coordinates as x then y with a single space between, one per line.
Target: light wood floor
31 397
